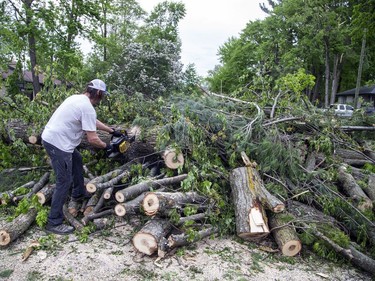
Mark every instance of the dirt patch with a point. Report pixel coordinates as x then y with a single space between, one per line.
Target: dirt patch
110 255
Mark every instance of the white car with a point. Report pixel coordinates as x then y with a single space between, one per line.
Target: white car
343 110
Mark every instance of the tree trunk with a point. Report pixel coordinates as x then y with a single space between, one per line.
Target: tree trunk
360 67
285 236
147 239
161 203
135 190
251 220
353 190
12 230
32 47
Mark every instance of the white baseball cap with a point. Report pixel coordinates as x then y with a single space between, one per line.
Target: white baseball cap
99 85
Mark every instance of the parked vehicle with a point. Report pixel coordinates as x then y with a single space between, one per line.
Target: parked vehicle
343 110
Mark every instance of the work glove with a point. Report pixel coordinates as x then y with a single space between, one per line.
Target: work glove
109 149
116 133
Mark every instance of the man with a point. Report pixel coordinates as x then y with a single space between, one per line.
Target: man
62 134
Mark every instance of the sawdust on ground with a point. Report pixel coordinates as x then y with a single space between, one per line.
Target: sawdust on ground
110 255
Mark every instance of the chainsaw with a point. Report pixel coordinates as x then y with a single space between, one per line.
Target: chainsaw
120 144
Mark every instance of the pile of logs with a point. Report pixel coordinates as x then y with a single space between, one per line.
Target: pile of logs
160 202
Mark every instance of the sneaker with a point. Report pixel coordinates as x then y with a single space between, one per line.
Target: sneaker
61 229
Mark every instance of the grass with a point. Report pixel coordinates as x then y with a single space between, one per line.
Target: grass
6 273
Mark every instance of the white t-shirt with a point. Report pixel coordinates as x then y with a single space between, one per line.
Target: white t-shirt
68 123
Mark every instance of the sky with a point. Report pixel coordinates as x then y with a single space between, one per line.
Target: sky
208 24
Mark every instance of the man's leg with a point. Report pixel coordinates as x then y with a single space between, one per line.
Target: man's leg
62 165
79 189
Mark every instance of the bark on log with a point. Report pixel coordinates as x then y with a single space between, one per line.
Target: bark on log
38 186
353 190
370 190
45 194
107 180
93 216
71 219
131 207
12 230
285 236
74 207
107 194
91 203
135 190
179 240
161 203
7 196
22 130
352 254
249 196
147 239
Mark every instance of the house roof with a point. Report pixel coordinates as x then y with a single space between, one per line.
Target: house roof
370 90
27 76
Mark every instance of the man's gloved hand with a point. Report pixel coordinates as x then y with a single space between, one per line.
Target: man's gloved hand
109 149
116 133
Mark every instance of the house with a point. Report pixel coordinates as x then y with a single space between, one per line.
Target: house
367 94
26 83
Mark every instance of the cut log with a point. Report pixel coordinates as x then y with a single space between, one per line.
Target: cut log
91 203
11 231
93 216
135 190
74 207
7 196
162 203
352 189
71 219
249 197
132 207
173 160
107 180
147 239
285 235
45 194
179 240
38 186
19 129
107 194
370 190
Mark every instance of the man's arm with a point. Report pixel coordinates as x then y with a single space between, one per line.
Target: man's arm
93 139
101 126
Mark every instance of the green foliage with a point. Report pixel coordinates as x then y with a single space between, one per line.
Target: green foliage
369 167
42 217
83 235
5 273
